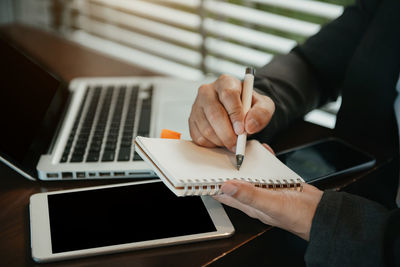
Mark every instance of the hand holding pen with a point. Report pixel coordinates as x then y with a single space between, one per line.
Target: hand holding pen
217 116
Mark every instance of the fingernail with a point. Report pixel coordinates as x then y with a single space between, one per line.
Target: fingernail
229 189
238 127
252 126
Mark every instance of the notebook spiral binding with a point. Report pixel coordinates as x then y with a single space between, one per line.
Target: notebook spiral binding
213 187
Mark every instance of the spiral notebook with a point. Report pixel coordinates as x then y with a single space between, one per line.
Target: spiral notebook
189 169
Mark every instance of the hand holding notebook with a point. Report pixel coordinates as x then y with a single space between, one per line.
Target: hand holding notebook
189 169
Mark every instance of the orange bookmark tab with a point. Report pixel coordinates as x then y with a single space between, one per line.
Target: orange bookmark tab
169 134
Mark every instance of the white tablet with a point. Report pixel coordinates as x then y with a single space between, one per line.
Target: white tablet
108 219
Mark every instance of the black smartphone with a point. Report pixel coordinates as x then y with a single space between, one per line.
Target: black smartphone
325 158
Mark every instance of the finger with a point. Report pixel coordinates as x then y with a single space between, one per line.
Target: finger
250 211
197 137
234 203
217 116
207 102
229 91
267 201
259 114
269 148
207 130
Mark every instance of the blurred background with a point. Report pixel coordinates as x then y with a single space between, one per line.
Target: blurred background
183 38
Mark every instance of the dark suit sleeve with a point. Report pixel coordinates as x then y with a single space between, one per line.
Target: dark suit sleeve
311 75
348 230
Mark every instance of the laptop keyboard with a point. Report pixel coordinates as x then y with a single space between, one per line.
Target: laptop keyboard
107 122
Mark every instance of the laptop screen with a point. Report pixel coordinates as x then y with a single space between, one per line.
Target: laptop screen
31 103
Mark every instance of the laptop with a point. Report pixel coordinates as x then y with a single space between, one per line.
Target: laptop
83 130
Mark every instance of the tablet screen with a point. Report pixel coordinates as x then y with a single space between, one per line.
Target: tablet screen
325 159
121 215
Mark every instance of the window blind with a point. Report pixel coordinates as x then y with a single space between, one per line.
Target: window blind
185 38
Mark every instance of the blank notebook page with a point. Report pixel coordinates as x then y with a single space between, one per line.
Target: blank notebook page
183 161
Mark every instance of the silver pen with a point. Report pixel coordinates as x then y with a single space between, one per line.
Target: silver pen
246 102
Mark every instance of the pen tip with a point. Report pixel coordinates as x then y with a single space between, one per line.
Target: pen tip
239 160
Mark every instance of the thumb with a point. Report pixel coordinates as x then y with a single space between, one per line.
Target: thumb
246 193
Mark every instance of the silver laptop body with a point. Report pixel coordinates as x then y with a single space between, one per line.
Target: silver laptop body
85 129
105 114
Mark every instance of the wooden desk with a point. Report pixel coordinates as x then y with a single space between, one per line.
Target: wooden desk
70 60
